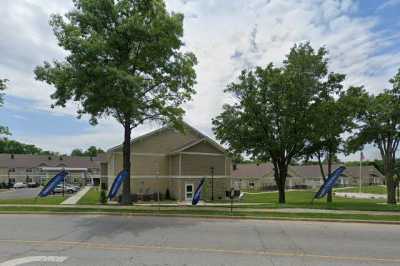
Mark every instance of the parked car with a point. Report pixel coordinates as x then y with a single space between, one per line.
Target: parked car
19 185
71 189
60 188
33 184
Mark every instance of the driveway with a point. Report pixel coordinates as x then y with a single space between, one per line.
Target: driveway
118 240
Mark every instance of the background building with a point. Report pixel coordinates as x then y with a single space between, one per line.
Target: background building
260 177
39 168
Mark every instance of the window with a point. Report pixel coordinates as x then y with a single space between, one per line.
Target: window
29 170
12 170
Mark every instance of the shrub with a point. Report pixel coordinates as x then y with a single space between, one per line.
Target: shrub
103 197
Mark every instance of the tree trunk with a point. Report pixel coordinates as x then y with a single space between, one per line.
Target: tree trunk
391 190
280 173
329 196
126 189
388 164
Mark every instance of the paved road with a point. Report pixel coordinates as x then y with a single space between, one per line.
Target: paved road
20 193
118 240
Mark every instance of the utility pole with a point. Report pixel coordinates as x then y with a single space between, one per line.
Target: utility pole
212 182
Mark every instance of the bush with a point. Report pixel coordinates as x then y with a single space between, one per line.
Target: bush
167 195
103 197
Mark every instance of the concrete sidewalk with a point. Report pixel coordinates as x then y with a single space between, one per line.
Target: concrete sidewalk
75 198
141 207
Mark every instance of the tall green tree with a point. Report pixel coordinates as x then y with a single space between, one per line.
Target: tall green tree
124 60
92 151
271 117
3 130
77 152
379 125
334 114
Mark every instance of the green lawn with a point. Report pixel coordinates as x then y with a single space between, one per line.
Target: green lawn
302 199
91 198
51 200
365 189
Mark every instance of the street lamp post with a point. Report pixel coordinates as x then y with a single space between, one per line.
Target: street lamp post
212 182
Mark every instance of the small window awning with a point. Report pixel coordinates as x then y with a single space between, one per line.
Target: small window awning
63 168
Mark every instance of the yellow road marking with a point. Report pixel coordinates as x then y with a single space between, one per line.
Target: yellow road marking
106 246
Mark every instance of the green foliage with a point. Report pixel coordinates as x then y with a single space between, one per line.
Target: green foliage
272 116
124 60
333 115
15 147
103 197
92 151
379 124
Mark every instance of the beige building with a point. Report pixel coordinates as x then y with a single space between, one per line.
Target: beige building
39 168
260 177
170 162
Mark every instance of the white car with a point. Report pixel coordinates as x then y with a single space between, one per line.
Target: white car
20 185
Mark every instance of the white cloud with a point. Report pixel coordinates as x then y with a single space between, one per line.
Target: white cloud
388 4
226 36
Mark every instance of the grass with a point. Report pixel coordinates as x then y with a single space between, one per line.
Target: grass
201 212
92 197
302 199
365 189
50 200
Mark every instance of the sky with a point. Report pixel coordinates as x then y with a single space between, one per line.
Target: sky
362 38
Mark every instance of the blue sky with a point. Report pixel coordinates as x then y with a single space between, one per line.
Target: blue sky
362 36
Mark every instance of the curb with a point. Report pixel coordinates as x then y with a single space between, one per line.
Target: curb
216 217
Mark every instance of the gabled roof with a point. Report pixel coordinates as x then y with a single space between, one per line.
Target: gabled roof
157 131
303 171
33 161
253 170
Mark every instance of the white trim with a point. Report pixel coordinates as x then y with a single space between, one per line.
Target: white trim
202 153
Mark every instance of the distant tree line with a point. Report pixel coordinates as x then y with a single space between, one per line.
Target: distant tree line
92 151
15 147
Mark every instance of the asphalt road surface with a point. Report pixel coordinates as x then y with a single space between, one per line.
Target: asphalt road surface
20 193
124 240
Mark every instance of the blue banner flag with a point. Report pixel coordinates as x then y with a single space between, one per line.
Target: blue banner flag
51 185
117 184
197 193
329 182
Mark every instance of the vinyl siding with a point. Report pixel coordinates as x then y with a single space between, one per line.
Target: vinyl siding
197 165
